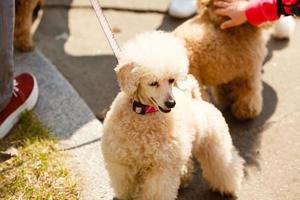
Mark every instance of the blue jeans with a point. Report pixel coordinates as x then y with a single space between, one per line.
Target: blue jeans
7 14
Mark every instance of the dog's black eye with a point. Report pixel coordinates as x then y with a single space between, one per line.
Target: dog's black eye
171 81
155 83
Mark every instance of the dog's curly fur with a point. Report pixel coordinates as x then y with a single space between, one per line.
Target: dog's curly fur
146 155
228 60
26 10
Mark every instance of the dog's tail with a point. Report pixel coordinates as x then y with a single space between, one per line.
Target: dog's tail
191 87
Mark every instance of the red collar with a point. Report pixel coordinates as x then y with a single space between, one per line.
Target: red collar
142 109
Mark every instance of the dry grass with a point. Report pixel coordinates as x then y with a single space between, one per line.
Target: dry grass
37 171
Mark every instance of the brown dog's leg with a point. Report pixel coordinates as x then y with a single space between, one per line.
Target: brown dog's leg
248 102
23 22
221 95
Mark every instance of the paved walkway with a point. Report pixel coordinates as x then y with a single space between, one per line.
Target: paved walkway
70 37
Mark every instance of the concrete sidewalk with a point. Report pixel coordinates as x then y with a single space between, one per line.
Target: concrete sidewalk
133 5
70 37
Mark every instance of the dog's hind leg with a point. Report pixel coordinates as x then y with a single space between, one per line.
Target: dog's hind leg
220 162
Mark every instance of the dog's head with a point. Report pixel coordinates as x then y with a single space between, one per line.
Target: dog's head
204 3
152 63
206 7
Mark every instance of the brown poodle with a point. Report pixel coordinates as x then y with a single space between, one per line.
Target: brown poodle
26 11
228 60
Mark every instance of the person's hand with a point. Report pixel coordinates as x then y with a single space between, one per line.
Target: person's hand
234 9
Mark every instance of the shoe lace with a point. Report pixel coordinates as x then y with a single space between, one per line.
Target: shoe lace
16 88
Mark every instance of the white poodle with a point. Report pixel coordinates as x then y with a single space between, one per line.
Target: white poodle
154 127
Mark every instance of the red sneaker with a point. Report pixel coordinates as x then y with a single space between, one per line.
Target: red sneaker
25 95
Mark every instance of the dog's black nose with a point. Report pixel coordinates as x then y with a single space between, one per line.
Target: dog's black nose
170 103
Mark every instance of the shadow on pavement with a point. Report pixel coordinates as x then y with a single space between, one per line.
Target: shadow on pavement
91 76
170 23
246 135
274 44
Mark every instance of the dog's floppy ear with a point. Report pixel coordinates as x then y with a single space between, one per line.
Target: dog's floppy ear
127 77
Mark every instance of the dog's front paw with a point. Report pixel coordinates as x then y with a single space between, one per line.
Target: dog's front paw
23 46
248 109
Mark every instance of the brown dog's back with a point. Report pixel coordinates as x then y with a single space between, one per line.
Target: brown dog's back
219 56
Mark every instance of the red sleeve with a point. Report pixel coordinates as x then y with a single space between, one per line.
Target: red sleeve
259 11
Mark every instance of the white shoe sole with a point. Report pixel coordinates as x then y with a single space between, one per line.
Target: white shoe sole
15 116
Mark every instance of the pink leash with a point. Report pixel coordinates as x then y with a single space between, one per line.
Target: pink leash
105 27
137 107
